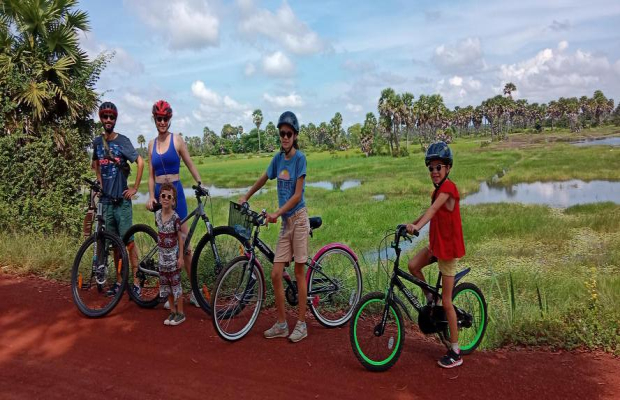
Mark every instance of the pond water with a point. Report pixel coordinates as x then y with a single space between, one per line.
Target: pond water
378 197
554 194
611 141
215 191
373 256
327 185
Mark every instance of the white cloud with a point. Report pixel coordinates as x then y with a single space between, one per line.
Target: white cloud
250 69
356 108
184 24
459 90
278 65
465 55
292 100
138 102
206 95
456 81
122 62
217 110
282 27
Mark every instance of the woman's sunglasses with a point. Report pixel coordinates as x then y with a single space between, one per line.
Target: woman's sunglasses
288 134
437 167
166 196
162 119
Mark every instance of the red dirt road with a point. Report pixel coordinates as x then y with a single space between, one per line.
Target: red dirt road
48 350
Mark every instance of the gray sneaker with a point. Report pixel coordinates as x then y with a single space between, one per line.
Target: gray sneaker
192 300
277 330
178 319
170 318
299 333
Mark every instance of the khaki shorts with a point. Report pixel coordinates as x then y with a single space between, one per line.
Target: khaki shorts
448 267
293 238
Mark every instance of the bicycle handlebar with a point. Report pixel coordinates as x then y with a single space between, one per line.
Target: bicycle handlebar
258 219
94 185
401 231
200 190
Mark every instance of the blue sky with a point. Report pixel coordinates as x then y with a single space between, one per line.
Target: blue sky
217 61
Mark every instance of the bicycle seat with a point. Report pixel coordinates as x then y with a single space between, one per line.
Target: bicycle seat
315 222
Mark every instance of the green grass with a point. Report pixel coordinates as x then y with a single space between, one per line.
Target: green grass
563 264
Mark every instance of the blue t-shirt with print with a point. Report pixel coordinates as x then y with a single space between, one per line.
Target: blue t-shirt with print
287 172
114 181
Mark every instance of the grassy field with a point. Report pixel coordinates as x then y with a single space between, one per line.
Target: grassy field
550 275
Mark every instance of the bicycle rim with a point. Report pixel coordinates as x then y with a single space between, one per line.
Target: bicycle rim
470 301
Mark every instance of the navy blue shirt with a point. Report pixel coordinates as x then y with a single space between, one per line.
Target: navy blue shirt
287 172
114 181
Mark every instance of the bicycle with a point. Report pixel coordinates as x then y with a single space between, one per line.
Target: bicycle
334 280
377 331
215 248
101 261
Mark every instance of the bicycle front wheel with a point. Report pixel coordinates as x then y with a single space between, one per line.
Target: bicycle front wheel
334 287
376 346
99 274
237 299
471 316
206 266
141 242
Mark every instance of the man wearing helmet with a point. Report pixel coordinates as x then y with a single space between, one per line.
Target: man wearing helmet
111 154
446 245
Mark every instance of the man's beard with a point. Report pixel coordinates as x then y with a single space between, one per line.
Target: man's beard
108 130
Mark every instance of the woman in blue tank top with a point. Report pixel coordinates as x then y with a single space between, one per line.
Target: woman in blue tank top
166 152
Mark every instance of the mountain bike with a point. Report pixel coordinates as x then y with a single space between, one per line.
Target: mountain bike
377 331
334 280
217 246
100 262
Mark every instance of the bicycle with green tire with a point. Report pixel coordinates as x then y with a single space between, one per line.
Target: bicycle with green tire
377 331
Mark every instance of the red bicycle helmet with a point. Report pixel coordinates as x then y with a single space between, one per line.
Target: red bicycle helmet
162 109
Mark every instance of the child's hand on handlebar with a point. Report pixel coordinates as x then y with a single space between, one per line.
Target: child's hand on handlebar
412 228
272 217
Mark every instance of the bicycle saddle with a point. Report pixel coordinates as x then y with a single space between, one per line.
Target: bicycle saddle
315 222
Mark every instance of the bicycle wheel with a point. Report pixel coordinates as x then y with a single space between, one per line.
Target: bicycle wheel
237 299
95 273
206 267
334 287
471 315
376 350
143 259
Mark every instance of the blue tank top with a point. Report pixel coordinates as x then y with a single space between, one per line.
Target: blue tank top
167 163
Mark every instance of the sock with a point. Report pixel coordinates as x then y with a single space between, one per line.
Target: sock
282 325
455 348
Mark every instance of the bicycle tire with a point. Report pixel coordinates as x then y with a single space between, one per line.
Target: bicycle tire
333 306
91 297
370 348
145 243
205 269
469 298
237 299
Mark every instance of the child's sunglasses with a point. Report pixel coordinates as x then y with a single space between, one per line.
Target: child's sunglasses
166 196
162 119
437 167
288 134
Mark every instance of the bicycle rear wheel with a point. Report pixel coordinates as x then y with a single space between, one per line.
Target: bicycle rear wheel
206 266
471 316
376 348
95 273
144 263
237 299
334 287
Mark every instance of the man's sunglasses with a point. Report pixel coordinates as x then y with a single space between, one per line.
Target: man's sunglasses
166 196
108 116
437 167
162 119
288 134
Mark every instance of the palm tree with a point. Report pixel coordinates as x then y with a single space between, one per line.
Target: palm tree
257 117
386 111
509 88
407 113
141 140
368 134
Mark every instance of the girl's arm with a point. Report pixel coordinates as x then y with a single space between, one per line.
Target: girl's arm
260 182
182 148
430 212
292 202
152 200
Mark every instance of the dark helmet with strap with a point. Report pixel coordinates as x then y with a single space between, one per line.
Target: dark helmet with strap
107 108
289 118
438 151
162 109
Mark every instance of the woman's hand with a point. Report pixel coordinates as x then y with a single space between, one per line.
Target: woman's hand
242 199
129 193
150 204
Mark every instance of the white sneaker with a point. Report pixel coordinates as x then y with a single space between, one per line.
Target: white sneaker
300 332
192 300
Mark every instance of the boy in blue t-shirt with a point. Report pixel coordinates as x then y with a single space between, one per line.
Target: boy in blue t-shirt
289 167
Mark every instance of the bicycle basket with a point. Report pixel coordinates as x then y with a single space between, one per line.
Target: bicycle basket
240 220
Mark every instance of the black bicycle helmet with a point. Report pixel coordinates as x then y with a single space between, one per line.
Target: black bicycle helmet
438 151
108 108
289 118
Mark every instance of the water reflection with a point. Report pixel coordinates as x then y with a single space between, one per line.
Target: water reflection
554 194
327 185
612 141
142 197
378 197
371 257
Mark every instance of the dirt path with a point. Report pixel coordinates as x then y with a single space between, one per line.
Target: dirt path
48 350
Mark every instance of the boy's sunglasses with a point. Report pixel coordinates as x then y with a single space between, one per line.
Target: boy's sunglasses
162 119
437 167
288 134
166 196
108 116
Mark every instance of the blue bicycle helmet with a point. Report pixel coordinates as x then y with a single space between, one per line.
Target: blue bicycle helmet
289 118
438 151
